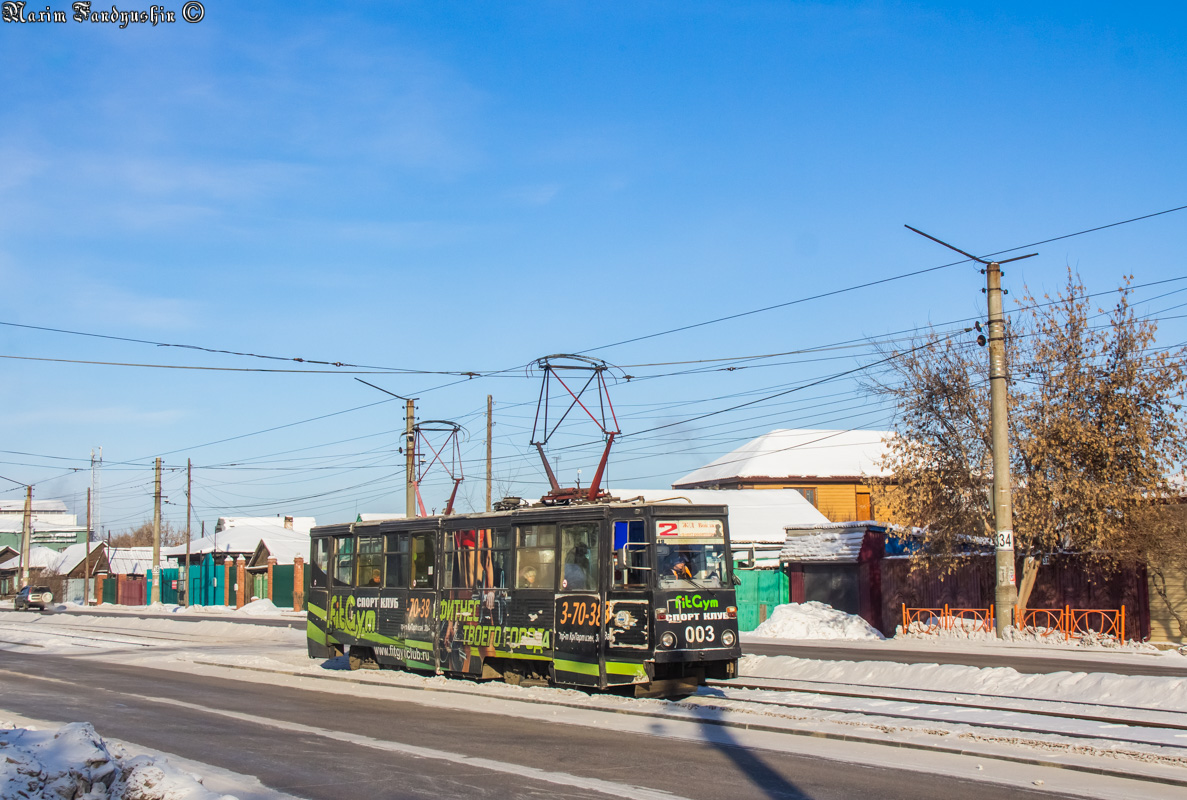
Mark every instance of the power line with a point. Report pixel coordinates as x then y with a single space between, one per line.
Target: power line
878 282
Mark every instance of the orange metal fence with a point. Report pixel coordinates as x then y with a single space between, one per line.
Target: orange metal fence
1071 622
948 618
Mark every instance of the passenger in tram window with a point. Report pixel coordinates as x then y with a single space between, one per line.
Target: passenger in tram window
375 578
527 577
577 568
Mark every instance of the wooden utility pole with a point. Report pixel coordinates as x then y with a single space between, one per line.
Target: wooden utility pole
156 536
1005 594
189 486
410 459
26 536
86 574
490 423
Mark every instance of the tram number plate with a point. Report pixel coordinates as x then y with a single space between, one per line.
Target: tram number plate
699 634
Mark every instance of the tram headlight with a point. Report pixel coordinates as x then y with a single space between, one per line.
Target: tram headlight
728 638
668 639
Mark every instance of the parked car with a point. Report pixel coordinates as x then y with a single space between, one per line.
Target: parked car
33 597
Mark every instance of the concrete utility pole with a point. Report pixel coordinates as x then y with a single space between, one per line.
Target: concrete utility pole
410 459
156 537
86 574
490 423
26 536
96 467
189 486
1005 595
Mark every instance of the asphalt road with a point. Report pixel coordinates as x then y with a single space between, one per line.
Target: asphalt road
324 758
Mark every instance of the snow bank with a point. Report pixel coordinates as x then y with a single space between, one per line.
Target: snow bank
260 608
814 620
74 761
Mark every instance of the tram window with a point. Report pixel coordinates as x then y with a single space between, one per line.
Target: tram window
343 560
396 557
472 561
697 566
579 543
321 563
370 562
632 535
422 560
536 557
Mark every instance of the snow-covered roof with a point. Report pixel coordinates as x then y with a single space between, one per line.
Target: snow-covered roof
69 557
284 550
263 524
244 534
18 506
130 560
379 517
40 523
798 454
755 516
831 541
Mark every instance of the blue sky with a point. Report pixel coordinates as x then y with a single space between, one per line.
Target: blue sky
466 187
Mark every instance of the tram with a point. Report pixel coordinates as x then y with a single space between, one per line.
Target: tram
632 596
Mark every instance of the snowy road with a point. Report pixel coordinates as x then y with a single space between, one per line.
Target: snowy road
320 745
246 698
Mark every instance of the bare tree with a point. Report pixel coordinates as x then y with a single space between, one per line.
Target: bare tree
1096 428
141 536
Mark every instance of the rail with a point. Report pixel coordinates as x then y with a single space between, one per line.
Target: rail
1105 622
931 620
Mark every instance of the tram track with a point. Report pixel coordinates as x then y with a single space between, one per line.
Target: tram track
1171 720
1017 726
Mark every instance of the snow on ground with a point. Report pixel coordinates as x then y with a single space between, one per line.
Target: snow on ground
257 608
72 761
814 620
1138 691
240 651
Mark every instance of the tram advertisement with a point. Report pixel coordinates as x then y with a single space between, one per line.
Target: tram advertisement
579 620
699 621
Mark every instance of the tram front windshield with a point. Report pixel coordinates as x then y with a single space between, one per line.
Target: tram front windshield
686 565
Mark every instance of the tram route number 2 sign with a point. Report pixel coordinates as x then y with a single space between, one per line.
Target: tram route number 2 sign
702 528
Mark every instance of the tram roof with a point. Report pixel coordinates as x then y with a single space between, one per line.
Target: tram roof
675 502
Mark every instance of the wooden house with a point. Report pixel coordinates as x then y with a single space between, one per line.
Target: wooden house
831 469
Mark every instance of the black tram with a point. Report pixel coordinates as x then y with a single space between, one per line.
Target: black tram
637 595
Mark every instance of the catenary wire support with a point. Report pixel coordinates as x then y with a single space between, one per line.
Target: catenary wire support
448 454
593 371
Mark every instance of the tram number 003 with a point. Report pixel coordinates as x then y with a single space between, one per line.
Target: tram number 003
699 634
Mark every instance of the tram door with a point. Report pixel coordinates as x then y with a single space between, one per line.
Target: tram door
628 604
579 609
318 600
406 606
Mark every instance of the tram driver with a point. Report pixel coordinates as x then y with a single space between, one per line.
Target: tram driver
680 565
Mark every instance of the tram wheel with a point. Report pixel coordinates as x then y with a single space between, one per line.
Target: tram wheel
362 658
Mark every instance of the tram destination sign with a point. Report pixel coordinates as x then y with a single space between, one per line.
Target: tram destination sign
690 528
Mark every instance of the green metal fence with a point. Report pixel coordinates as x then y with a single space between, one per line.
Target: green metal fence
282 585
761 590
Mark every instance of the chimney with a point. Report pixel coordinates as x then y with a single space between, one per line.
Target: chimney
288 523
